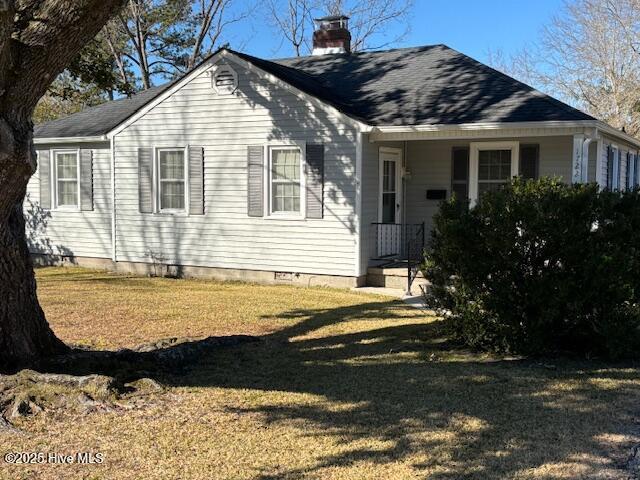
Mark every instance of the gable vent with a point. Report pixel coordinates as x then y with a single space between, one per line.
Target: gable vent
224 80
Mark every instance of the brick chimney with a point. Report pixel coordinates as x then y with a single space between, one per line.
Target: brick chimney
332 35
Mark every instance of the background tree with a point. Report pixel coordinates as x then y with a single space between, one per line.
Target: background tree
292 19
149 40
587 56
93 77
166 38
38 39
373 23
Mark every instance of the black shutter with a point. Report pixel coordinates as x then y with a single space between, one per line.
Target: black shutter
529 161
460 172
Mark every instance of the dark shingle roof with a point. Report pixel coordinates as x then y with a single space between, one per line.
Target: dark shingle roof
407 86
428 85
98 120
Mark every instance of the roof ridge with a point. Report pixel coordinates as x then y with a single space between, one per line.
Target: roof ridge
357 53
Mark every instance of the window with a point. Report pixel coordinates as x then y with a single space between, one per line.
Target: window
494 170
66 179
491 166
286 167
389 191
171 176
460 173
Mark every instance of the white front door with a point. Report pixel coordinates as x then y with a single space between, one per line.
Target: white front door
390 202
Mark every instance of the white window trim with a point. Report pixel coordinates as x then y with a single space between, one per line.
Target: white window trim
268 199
156 182
54 178
474 151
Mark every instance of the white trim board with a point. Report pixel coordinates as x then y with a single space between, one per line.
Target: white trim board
55 140
496 130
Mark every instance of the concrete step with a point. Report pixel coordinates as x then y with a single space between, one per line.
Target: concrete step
393 278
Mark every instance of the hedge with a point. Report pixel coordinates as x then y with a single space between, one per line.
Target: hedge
540 267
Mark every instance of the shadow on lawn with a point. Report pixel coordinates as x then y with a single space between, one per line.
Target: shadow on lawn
409 386
455 415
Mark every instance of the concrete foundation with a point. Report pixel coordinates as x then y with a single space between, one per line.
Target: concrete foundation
183 271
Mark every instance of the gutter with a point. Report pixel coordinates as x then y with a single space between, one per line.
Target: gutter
48 140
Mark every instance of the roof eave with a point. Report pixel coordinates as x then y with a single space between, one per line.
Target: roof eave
383 132
87 139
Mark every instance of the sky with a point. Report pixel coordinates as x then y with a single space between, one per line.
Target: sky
474 27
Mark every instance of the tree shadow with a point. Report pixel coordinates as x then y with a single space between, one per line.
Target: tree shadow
36 226
459 415
448 412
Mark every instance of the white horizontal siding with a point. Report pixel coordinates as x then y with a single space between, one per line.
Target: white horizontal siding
73 233
429 162
226 237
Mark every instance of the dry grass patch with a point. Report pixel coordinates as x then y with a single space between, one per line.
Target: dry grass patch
343 386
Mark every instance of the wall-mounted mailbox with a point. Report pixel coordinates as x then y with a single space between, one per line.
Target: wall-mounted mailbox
436 194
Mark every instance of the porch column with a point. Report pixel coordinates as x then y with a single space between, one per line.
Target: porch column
585 159
578 158
600 180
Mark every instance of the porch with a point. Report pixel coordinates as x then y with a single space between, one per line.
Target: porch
404 183
397 255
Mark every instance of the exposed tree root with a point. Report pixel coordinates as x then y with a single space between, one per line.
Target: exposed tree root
86 381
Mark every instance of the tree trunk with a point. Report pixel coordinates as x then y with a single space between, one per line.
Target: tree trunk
37 40
25 336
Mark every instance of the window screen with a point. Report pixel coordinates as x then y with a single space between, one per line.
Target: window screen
285 180
494 170
172 179
67 179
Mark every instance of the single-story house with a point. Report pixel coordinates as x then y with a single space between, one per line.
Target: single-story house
310 170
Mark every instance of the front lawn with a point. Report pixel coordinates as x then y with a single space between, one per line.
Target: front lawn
341 386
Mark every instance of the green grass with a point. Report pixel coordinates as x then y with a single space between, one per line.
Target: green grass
342 386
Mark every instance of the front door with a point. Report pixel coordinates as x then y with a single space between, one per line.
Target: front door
390 203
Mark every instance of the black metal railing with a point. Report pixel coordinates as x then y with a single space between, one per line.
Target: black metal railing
391 240
415 256
402 242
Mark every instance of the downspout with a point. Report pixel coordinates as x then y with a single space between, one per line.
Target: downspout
113 199
405 155
358 207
